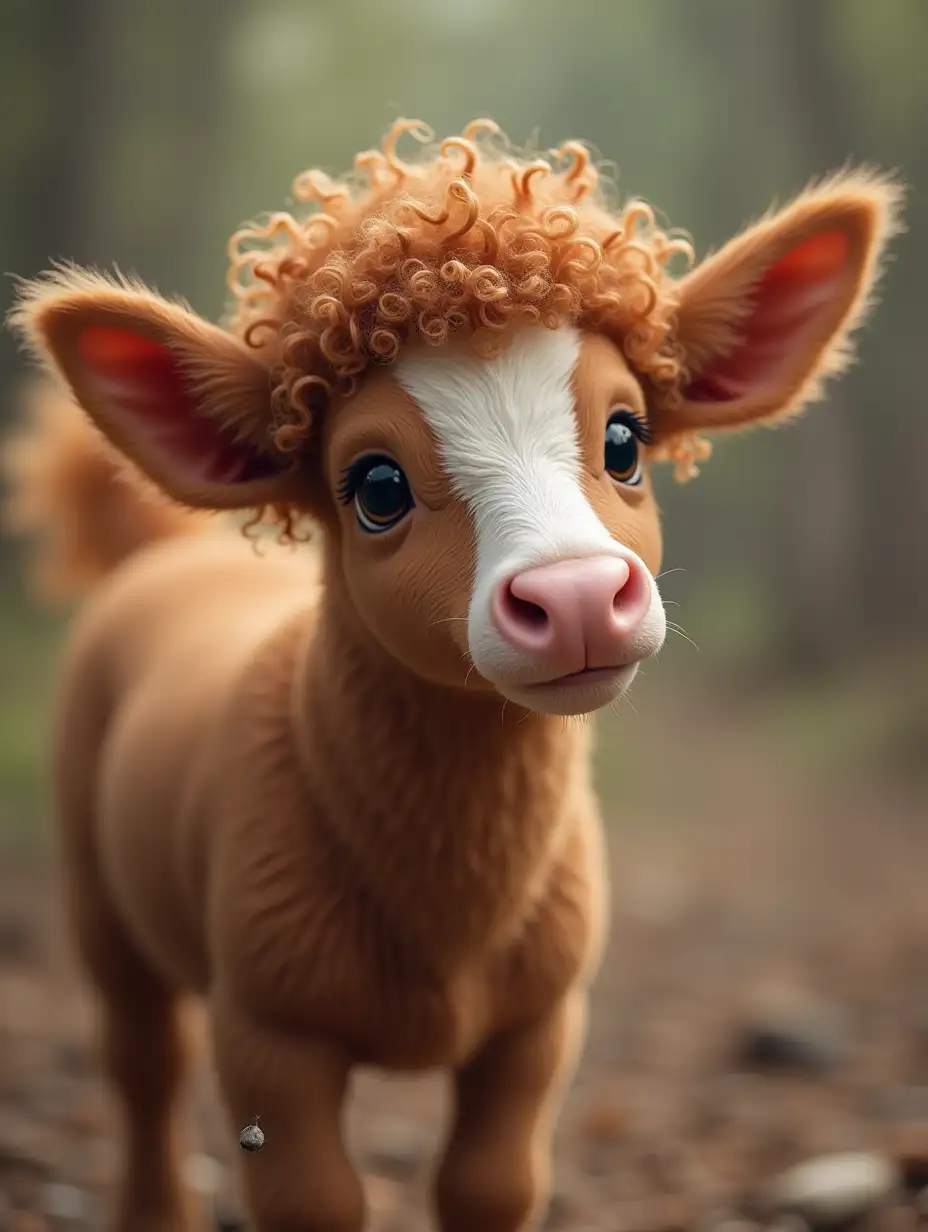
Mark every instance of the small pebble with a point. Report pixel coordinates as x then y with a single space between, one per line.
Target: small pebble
814 1041
833 1189
251 1138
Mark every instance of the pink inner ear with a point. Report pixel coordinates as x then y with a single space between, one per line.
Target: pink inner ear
791 297
139 381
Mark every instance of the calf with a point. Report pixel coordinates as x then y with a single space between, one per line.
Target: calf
338 792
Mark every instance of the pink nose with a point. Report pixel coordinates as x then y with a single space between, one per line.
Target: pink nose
576 613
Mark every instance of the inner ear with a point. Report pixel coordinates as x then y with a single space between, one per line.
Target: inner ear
788 312
149 399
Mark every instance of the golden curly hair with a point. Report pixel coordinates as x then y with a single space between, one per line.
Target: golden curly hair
468 237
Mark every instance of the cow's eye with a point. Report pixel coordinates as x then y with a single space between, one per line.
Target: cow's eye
380 492
624 433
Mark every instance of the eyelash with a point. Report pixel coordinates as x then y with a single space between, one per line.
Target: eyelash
638 424
351 479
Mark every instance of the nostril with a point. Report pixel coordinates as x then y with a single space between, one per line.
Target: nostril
522 620
632 596
526 612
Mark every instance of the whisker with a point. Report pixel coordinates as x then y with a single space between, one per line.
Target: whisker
445 620
667 572
675 628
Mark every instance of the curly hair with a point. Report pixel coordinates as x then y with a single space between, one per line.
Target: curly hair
470 237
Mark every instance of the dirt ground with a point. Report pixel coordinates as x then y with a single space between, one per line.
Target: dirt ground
764 1002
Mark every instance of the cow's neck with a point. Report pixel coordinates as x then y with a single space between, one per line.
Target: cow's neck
450 803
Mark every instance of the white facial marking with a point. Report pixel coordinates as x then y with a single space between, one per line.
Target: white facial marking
507 435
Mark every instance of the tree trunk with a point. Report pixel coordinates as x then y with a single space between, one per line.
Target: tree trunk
59 211
79 48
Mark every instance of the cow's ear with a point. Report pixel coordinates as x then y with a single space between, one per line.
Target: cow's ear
764 320
181 398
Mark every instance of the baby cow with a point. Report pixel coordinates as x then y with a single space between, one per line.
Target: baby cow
333 791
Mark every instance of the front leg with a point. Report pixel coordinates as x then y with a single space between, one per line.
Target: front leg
302 1180
495 1175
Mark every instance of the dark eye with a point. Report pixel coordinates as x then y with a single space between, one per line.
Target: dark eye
380 492
624 431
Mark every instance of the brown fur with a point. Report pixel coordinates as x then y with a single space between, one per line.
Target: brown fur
278 784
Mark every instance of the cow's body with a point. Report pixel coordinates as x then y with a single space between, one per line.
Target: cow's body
342 793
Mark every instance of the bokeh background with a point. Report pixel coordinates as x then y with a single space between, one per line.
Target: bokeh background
767 785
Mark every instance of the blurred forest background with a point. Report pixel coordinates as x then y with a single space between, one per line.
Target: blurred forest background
142 134
768 783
